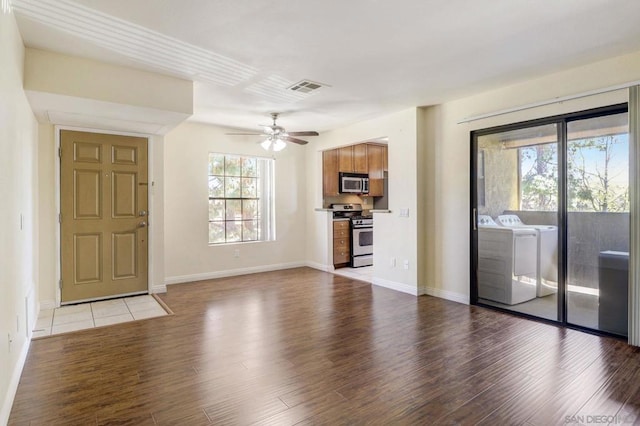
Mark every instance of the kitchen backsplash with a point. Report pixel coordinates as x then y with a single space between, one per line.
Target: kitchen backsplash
367 202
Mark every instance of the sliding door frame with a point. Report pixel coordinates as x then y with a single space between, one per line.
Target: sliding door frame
561 123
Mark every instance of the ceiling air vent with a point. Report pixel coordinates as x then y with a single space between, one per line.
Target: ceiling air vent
306 86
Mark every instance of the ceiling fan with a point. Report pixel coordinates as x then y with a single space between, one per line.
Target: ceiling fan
276 136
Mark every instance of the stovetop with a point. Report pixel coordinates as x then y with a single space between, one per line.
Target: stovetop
346 210
356 208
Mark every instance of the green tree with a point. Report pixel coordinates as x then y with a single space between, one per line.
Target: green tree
594 176
539 177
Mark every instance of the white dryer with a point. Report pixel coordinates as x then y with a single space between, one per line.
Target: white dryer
547 268
507 262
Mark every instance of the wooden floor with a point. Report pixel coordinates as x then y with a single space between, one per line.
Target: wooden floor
307 347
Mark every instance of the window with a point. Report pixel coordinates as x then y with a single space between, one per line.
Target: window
240 199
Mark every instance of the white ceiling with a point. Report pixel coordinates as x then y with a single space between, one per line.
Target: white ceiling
375 56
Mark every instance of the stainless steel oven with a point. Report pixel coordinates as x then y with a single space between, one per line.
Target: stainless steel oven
361 241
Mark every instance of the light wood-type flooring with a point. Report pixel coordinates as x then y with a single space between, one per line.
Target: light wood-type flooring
306 347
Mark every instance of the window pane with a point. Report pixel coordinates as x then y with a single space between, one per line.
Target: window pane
216 164
216 209
234 229
517 263
598 223
232 166
249 187
250 230
249 209
216 186
250 167
236 205
232 187
234 210
216 232
598 173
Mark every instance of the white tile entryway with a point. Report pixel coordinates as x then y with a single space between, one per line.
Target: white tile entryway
364 273
96 314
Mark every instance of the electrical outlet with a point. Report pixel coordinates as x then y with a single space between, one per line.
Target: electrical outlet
405 264
236 253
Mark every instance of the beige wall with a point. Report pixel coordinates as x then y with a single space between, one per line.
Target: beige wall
51 72
18 214
188 256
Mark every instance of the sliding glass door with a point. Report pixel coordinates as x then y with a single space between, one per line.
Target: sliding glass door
598 222
517 220
551 219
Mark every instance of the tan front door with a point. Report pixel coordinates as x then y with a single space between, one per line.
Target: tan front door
103 181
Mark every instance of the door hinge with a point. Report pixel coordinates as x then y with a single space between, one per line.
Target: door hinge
60 284
59 217
60 152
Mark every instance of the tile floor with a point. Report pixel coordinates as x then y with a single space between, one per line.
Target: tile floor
96 314
363 273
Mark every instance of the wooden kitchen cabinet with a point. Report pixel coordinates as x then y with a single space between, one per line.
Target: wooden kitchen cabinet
330 184
376 161
365 158
353 159
341 243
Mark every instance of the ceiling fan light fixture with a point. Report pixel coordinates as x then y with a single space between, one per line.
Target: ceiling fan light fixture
277 137
279 145
266 144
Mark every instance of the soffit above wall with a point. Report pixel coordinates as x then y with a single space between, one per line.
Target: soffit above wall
93 114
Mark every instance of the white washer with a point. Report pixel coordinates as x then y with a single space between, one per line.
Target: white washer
507 262
547 252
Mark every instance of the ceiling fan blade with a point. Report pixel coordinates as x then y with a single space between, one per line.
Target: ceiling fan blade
295 140
307 133
241 133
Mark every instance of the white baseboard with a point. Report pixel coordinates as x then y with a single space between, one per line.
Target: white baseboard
159 288
319 266
231 272
404 288
13 384
47 304
448 295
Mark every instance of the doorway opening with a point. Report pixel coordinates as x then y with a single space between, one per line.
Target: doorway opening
103 216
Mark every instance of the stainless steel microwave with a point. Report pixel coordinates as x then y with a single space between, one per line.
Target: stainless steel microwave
354 183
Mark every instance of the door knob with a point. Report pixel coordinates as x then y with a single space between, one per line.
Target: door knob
142 224
142 213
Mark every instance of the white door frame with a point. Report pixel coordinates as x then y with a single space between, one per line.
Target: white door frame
150 150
